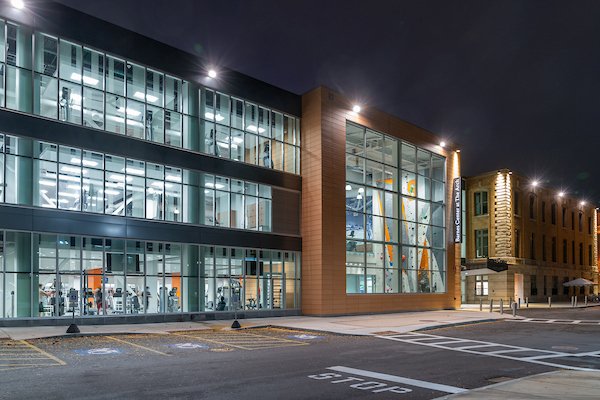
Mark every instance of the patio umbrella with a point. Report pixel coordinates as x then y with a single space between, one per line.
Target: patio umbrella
579 282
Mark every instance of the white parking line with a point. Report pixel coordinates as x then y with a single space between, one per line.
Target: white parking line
477 346
500 354
556 321
399 379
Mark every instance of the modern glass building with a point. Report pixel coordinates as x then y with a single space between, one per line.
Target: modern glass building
135 187
132 186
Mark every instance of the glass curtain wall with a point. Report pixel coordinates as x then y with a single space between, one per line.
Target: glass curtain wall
55 78
395 213
48 275
47 175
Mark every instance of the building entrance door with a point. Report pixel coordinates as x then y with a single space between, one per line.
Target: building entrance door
519 287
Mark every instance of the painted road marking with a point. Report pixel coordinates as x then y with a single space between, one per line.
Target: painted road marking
556 321
242 340
188 346
397 379
137 345
305 337
362 385
103 351
478 348
22 354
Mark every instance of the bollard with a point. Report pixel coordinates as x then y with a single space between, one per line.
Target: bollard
480 304
575 304
491 305
510 303
549 302
572 301
514 309
526 302
501 306
519 303
585 300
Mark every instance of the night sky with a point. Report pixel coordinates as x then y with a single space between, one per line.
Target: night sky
514 83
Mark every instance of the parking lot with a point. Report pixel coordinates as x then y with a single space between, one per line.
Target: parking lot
72 350
275 363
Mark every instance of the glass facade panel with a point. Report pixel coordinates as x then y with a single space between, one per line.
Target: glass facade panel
47 175
376 217
51 275
76 84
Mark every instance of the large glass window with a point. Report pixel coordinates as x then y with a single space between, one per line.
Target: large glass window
47 175
395 210
48 275
85 86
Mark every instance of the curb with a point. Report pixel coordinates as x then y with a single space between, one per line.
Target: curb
455 324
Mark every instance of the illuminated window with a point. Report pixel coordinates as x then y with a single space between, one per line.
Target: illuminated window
481 285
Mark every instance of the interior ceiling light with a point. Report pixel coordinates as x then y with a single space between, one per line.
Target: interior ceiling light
212 73
18 4
356 108
348 187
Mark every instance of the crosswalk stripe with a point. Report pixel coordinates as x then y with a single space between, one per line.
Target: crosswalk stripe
501 353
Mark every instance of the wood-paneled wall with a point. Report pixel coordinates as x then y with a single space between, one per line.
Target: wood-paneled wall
324 116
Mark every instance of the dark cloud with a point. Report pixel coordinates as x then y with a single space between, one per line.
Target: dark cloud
514 82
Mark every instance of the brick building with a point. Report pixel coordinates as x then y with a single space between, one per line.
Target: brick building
526 240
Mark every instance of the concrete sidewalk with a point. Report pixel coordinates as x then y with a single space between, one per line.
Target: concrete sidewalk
486 306
346 325
564 385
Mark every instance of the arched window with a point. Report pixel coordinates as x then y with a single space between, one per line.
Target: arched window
532 206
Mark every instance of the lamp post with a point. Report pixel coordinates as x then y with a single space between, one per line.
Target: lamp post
236 302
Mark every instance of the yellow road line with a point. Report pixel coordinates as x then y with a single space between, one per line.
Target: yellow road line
26 365
138 345
58 360
275 338
245 336
13 368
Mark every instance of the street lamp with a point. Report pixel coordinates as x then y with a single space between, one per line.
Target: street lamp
18 4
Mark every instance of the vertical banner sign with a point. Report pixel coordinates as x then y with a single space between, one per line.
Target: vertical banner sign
457 209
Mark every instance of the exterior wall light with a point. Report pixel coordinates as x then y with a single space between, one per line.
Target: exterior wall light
442 144
212 73
18 4
561 194
582 203
534 183
356 108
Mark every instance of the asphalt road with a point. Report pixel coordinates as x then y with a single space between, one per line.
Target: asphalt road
282 364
